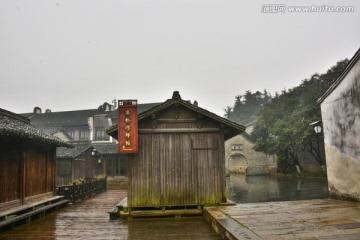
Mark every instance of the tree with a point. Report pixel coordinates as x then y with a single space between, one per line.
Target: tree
247 107
283 125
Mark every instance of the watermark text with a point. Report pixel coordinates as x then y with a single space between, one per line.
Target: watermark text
283 8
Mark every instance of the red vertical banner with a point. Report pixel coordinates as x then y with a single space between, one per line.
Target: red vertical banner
127 126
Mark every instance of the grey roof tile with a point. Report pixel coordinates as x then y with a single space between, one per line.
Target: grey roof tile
106 148
79 148
15 125
74 118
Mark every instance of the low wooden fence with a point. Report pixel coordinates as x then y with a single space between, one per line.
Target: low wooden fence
78 192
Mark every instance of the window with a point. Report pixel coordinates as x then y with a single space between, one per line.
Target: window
71 134
84 134
237 147
100 134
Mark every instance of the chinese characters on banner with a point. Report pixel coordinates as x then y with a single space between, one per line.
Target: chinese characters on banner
128 126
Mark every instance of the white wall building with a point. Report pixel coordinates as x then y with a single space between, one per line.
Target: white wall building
340 110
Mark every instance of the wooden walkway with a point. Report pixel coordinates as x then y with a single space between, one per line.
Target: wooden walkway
90 220
318 219
321 219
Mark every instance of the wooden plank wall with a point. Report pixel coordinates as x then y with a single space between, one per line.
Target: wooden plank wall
9 170
51 169
78 168
64 171
26 170
39 168
175 168
89 163
170 171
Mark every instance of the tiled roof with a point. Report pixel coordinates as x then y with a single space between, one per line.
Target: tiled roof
101 148
234 128
349 66
14 125
106 148
248 137
146 106
62 118
50 130
54 130
71 118
74 152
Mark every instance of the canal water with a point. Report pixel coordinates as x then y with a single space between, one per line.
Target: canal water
253 189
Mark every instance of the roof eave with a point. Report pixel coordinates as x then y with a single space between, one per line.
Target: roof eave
349 66
234 128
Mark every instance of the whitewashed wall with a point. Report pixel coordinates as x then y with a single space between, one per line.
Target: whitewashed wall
341 121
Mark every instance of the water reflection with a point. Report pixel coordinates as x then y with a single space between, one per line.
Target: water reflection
169 228
250 189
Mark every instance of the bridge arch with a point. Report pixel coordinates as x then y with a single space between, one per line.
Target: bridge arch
237 163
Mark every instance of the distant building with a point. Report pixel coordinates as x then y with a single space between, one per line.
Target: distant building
27 162
79 125
84 128
240 156
340 110
76 163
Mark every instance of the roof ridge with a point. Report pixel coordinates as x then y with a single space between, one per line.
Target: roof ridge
177 99
83 110
15 125
14 115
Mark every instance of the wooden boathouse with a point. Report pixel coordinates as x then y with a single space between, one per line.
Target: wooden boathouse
75 163
180 160
27 169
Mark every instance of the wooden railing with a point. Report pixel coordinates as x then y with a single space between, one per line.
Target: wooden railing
78 192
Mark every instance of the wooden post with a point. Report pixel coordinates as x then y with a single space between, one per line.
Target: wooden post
22 173
54 171
46 168
72 193
105 183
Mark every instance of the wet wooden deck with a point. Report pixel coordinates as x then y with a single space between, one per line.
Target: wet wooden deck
318 219
90 220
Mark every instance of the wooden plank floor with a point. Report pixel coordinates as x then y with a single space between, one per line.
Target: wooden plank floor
90 220
322 219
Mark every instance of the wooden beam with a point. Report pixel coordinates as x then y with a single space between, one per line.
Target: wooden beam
180 130
180 120
159 213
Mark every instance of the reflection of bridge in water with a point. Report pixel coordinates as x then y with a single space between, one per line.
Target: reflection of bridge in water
90 220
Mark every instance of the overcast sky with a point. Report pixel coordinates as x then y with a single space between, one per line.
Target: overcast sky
78 54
